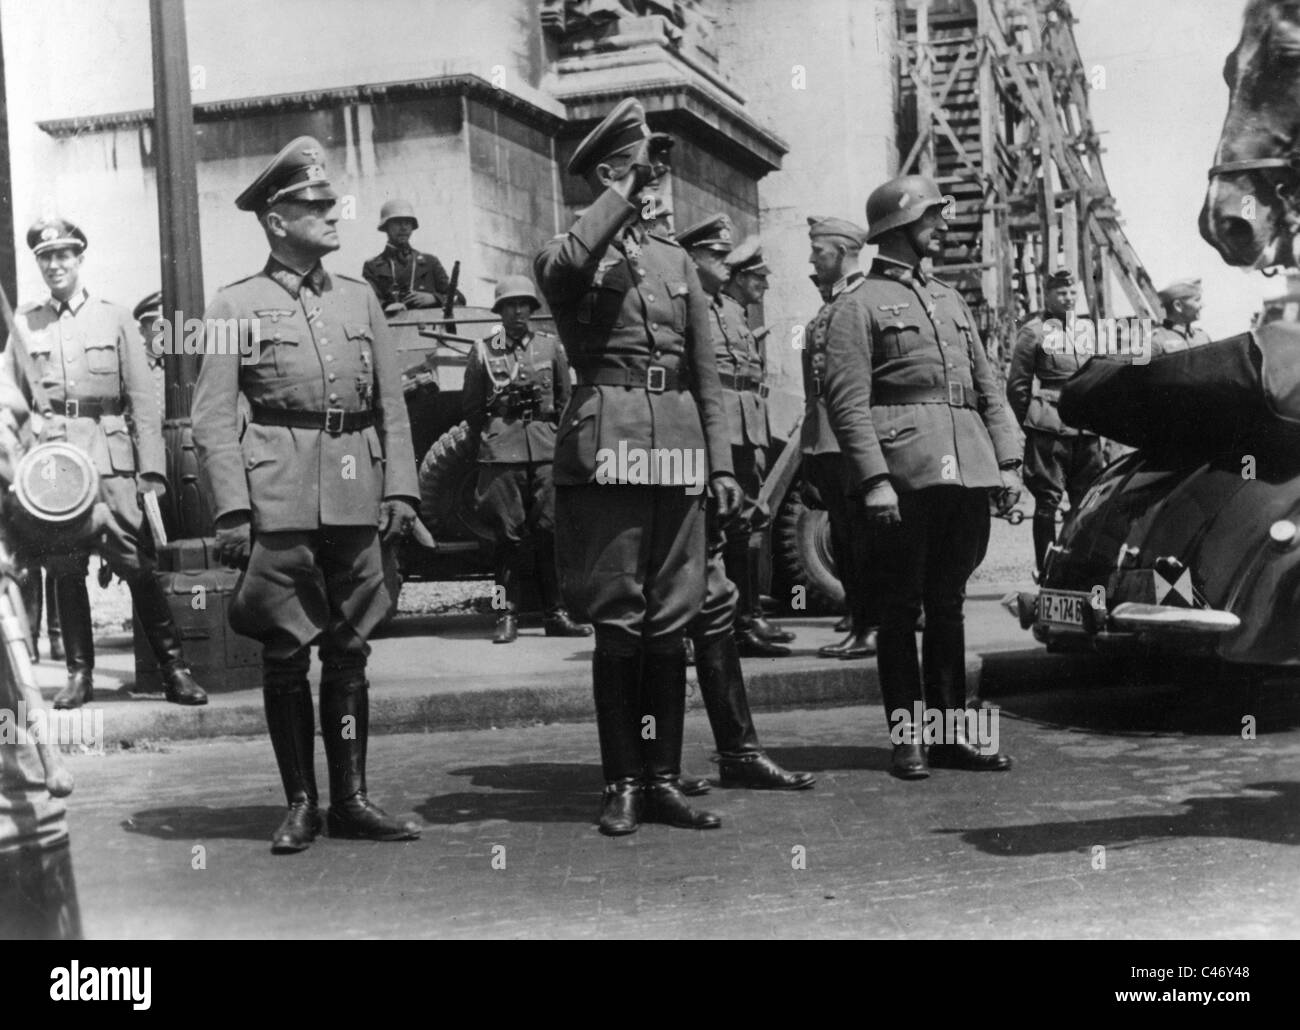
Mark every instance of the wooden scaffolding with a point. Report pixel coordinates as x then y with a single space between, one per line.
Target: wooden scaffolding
993 103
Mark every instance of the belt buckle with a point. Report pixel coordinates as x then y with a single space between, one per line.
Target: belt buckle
656 379
763 390
334 421
526 415
956 395
71 409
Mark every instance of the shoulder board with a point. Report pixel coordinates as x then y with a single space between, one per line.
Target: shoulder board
350 279
29 307
665 239
240 282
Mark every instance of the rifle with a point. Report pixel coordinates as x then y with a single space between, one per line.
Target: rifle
449 306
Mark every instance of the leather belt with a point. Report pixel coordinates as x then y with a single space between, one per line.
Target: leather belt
655 378
91 407
523 412
955 395
332 420
1054 396
743 383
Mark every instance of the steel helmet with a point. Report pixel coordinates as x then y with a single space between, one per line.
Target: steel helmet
396 209
514 287
901 201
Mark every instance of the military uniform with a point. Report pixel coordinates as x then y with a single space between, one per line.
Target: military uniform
87 356
327 446
635 325
1172 337
823 469
513 394
914 402
1059 459
394 273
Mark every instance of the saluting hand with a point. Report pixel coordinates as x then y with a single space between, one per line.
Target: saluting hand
727 495
234 540
396 520
881 504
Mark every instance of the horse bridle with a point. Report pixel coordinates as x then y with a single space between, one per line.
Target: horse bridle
1282 190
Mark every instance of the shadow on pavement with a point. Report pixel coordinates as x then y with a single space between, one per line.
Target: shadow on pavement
1273 820
546 792
191 822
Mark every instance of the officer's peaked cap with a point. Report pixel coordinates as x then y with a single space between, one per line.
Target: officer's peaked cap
715 232
623 127
748 257
296 173
1180 289
150 305
53 233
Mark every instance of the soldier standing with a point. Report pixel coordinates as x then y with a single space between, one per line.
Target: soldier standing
733 282
148 315
87 355
1059 459
836 244
1182 303
401 276
920 420
324 467
634 321
516 384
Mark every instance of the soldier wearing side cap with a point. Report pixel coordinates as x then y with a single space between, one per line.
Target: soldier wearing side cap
835 246
302 496
742 370
1182 304
516 384
635 325
1059 460
920 419
401 276
87 354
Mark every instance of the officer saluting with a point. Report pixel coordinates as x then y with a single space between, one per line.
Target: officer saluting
326 459
1059 459
1182 302
87 354
634 321
516 383
921 422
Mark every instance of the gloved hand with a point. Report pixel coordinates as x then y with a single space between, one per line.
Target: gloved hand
881 504
396 519
420 299
234 539
727 495
152 483
1010 494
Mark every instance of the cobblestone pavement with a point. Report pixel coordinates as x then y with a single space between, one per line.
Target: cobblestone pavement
1199 828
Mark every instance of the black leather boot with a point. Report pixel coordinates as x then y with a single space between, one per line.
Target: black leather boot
616 687
79 643
53 623
843 625
664 690
741 760
507 582
291 722
556 622
1044 536
160 629
345 728
900 689
751 645
740 561
30 586
943 660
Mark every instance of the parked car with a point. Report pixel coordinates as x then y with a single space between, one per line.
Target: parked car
1190 544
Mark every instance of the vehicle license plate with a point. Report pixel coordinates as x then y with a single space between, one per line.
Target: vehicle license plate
1062 607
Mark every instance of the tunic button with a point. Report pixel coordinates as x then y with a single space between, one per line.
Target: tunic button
334 398
654 325
650 297
332 377
329 357
323 342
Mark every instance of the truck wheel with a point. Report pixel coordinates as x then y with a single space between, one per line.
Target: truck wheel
442 473
801 540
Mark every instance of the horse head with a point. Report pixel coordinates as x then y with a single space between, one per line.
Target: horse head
1251 214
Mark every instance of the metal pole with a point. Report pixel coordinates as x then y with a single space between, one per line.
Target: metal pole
181 265
8 265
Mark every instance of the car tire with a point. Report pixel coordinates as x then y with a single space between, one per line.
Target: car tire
801 549
442 474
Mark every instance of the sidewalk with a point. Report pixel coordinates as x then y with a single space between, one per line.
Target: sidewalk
435 673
